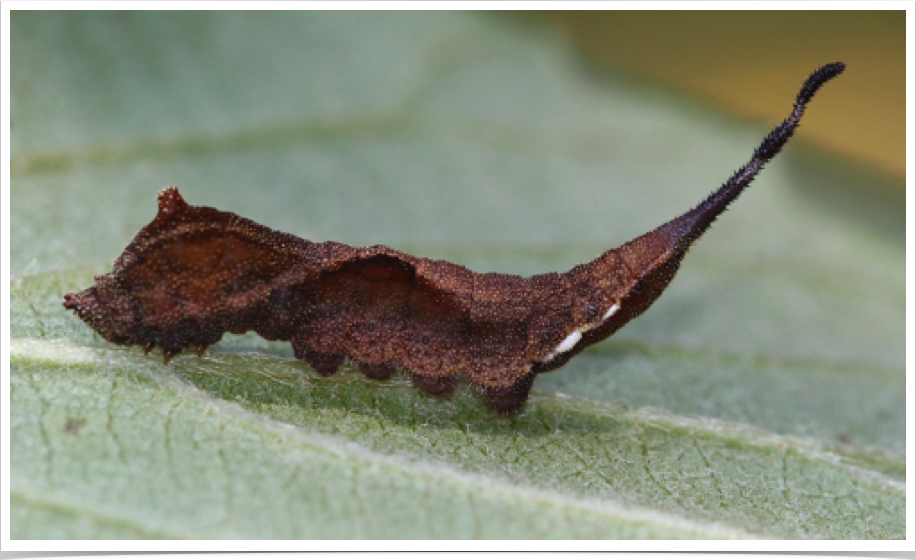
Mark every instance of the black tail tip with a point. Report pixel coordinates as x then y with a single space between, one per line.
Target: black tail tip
820 77
829 71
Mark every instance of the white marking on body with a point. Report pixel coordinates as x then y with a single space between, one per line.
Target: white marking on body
568 343
614 309
574 337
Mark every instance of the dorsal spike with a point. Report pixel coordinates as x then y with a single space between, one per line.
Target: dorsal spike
170 202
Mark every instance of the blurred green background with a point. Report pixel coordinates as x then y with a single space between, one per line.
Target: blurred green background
743 61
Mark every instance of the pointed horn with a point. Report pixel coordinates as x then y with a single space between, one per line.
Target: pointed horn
689 227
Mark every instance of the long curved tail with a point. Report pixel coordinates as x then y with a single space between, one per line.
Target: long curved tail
691 225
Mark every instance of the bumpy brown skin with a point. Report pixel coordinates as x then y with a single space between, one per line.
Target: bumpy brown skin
195 273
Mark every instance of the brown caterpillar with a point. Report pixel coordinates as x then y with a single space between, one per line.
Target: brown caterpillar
195 273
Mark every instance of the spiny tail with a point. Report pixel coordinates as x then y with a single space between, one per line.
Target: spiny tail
686 229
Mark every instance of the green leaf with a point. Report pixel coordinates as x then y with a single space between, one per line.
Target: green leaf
762 396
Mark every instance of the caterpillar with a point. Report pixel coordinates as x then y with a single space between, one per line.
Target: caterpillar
195 273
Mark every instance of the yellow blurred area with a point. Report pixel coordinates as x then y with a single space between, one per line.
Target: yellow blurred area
752 63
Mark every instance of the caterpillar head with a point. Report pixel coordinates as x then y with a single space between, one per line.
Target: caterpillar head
106 307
